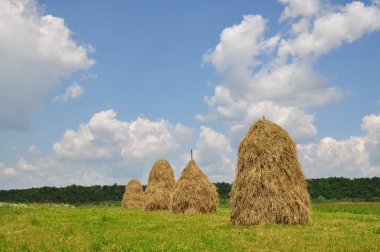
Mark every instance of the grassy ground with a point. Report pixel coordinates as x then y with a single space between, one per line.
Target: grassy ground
42 227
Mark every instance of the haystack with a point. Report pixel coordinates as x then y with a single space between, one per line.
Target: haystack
133 195
194 192
160 187
269 186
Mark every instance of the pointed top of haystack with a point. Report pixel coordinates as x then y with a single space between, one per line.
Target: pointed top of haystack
161 172
268 139
269 186
267 130
194 192
133 184
134 195
192 170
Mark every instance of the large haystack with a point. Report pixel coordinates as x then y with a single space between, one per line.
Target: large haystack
269 186
158 193
133 195
194 192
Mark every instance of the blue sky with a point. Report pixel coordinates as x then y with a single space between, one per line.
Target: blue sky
94 93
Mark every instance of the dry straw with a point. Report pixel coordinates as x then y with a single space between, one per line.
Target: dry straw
158 194
133 195
194 192
269 186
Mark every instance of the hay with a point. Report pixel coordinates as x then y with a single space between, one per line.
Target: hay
160 187
269 186
133 195
194 192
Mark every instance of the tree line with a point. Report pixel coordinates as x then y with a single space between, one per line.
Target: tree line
322 189
363 189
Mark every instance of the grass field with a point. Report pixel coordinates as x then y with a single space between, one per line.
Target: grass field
43 227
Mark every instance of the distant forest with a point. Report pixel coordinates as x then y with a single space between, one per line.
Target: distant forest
321 190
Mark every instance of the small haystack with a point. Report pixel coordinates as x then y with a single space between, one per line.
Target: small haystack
158 193
194 192
133 195
269 186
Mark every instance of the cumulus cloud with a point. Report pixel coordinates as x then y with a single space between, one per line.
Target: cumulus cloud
356 156
371 124
250 89
33 149
295 120
235 55
73 91
36 50
292 84
48 171
296 8
331 30
104 150
7 171
105 137
213 154
274 75
22 164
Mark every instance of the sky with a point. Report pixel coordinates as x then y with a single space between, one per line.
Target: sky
93 92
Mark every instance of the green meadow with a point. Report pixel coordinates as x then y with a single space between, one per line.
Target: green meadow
49 227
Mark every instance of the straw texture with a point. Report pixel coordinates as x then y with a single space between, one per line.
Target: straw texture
269 186
158 194
194 192
133 195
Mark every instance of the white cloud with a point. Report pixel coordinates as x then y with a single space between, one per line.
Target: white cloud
239 115
58 172
105 137
213 154
296 8
353 157
357 156
33 149
331 157
292 85
234 56
295 120
149 138
281 81
7 171
331 30
48 171
371 124
73 91
35 51
260 75
251 88
104 150
22 164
